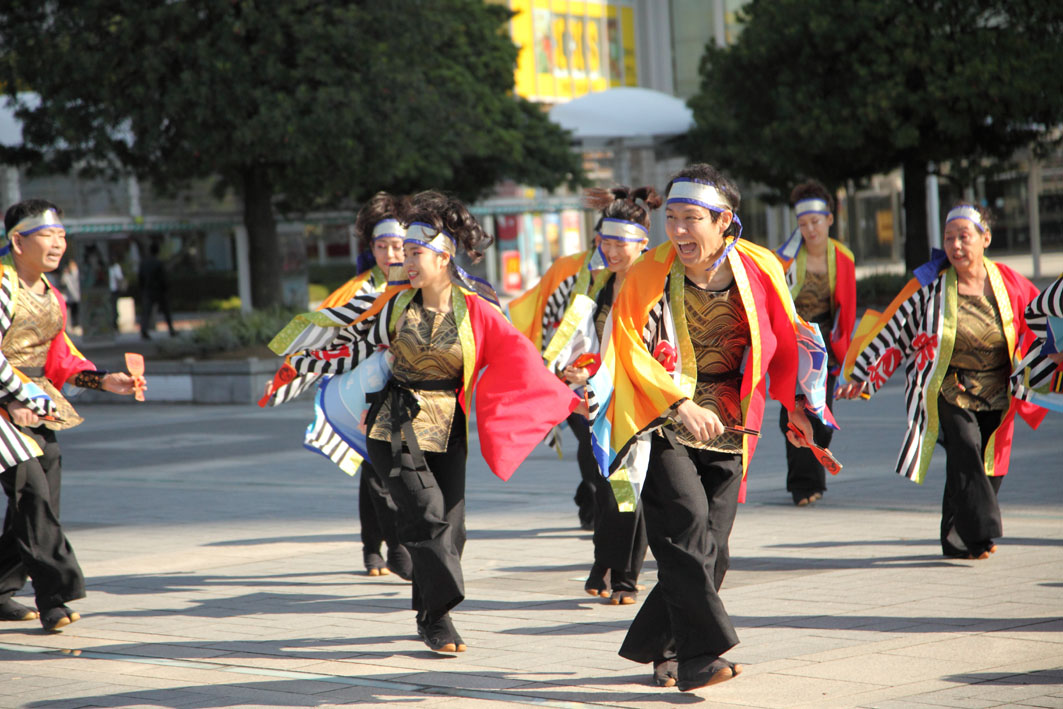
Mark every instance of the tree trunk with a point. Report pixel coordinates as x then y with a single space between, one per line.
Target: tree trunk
916 239
265 253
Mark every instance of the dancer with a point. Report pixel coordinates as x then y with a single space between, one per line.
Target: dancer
700 324
822 279
445 333
958 329
380 229
1039 374
538 313
33 333
622 233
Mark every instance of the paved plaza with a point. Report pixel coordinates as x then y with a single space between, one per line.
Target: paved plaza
224 569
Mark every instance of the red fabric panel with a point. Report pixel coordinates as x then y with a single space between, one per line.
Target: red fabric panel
63 362
517 400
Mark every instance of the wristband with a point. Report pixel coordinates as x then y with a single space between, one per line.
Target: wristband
90 379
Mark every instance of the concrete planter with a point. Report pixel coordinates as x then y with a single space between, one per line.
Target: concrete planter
237 381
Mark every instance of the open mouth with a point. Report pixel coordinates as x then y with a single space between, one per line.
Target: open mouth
688 248
412 274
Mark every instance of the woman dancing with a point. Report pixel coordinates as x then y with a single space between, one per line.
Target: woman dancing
380 229
622 234
822 279
537 313
700 324
444 332
958 329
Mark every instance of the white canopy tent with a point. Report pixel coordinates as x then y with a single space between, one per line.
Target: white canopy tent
632 123
623 113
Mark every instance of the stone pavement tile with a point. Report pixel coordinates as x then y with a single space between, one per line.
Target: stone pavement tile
983 650
901 695
1006 689
882 668
42 695
781 690
200 675
801 644
271 662
463 680
1046 702
858 648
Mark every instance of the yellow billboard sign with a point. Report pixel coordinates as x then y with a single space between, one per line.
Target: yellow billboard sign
569 48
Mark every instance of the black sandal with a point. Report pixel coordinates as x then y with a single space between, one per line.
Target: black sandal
709 673
10 609
440 635
597 582
55 619
666 672
374 563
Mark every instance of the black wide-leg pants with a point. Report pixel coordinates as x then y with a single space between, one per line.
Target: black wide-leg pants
590 478
804 474
690 499
376 511
620 539
430 518
970 513
33 544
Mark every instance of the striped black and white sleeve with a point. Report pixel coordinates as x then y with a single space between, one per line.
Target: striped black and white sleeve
884 353
351 344
555 308
1048 303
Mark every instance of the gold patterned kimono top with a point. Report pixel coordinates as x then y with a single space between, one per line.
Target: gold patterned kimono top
605 305
719 331
813 303
977 376
426 348
36 322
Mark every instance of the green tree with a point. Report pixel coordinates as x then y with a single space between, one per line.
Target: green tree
294 104
843 89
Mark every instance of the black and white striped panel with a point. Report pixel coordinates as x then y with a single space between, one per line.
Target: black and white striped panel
555 307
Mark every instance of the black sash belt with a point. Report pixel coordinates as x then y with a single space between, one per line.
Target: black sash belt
963 379
718 378
404 408
32 371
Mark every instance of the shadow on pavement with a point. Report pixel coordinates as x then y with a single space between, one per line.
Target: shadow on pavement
1004 543
405 687
796 563
902 625
999 678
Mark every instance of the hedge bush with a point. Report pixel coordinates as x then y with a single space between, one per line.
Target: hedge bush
231 331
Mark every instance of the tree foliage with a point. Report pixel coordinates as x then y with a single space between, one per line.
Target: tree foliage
843 89
292 103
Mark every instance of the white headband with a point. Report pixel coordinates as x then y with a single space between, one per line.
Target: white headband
687 191
965 211
622 230
435 239
811 206
388 227
33 224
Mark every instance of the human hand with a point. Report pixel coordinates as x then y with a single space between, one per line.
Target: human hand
576 375
799 418
120 383
702 423
22 415
850 390
1057 357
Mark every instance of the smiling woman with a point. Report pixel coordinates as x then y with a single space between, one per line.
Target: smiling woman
716 315
36 361
959 329
445 337
822 278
